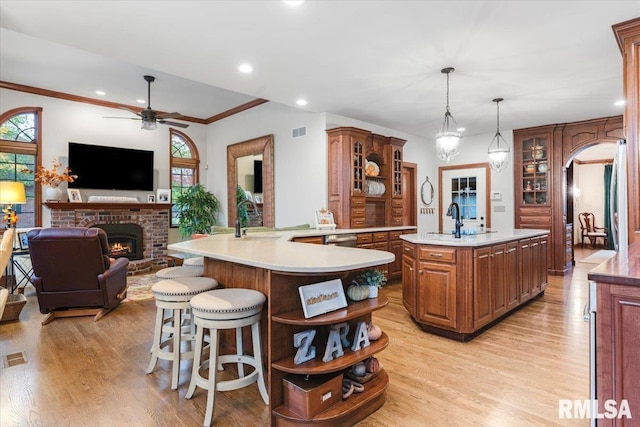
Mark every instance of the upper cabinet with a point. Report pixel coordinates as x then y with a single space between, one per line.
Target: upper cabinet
365 178
628 36
535 167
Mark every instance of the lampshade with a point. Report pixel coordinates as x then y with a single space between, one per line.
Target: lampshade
498 148
447 140
12 193
149 125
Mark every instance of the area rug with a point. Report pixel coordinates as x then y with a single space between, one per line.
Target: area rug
140 287
598 257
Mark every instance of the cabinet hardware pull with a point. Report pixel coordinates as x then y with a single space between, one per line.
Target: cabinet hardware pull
420 271
436 255
410 268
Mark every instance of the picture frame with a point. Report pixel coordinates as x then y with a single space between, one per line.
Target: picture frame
151 198
321 298
163 196
23 241
74 195
257 199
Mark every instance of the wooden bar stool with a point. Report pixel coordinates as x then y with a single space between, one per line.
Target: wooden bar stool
230 308
174 295
194 261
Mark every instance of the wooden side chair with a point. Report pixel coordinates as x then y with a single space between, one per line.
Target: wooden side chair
589 230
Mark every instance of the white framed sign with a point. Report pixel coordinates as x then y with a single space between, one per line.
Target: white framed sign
322 297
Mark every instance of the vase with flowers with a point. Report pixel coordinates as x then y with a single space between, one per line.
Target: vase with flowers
374 279
52 178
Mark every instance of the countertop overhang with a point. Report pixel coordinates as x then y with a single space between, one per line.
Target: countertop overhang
621 269
472 240
275 251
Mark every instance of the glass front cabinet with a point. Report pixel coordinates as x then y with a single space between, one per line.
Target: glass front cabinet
534 173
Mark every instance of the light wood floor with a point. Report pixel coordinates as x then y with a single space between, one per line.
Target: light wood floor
82 373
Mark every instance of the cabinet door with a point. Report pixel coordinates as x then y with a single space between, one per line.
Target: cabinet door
542 263
482 312
535 263
395 268
408 284
498 280
524 256
511 275
436 294
617 343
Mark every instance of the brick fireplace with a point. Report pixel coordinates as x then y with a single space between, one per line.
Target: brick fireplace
152 218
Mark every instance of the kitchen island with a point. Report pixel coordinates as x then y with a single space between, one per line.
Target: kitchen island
276 266
617 340
458 287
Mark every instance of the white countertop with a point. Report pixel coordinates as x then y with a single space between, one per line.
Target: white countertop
275 251
488 238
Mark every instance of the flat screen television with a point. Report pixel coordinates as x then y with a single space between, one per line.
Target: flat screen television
110 168
257 176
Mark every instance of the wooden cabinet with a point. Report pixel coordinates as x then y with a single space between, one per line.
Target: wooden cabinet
436 287
365 178
458 291
409 278
318 240
395 247
628 36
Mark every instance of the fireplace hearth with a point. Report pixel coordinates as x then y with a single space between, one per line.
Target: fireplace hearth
125 240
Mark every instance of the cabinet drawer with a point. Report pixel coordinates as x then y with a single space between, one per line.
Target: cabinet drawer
380 236
408 250
396 212
396 203
364 238
535 211
437 254
357 212
395 235
357 223
357 202
396 220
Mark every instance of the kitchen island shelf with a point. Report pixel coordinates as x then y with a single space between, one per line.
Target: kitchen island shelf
352 311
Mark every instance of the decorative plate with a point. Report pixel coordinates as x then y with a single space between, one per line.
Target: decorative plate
371 169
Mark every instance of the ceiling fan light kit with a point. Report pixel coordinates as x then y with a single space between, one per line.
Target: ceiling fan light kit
149 117
498 148
447 140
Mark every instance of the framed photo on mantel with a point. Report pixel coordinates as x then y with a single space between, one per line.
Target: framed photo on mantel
163 196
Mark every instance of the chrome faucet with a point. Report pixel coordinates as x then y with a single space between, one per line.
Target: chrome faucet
255 210
457 218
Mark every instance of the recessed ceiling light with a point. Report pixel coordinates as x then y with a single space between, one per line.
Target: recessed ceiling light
294 2
461 129
245 68
101 92
141 101
620 103
301 102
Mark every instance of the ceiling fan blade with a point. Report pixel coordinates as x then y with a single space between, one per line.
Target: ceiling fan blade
180 125
127 118
168 115
129 110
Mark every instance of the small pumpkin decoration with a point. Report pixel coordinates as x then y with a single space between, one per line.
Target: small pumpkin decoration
358 293
372 364
373 332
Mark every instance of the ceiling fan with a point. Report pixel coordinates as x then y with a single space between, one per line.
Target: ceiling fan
150 117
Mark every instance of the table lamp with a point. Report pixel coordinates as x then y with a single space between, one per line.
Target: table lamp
11 193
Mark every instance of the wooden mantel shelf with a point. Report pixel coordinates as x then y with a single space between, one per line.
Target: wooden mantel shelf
103 206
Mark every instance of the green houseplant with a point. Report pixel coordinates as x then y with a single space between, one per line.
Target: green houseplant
197 210
374 279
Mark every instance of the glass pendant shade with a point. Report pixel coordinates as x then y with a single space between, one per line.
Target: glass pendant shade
498 148
447 140
149 125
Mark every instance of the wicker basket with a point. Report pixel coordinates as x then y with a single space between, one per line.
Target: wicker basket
12 310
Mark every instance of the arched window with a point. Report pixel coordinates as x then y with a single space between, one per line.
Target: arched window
184 167
20 131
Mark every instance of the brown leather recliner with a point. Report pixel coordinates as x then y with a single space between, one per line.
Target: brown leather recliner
73 274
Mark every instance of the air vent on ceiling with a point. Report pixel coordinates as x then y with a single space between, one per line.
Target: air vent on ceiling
299 132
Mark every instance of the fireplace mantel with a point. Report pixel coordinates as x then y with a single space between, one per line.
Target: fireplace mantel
100 206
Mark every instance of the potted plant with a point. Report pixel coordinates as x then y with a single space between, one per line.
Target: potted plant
374 279
197 210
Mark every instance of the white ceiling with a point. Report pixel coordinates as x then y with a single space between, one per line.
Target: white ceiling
377 61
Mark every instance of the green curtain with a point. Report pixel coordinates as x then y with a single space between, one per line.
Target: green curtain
607 207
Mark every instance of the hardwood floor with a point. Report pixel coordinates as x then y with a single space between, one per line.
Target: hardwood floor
79 372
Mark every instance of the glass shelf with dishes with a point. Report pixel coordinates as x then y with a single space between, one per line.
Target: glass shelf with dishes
535 171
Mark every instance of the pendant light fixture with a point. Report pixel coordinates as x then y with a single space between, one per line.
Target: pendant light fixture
498 149
448 139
